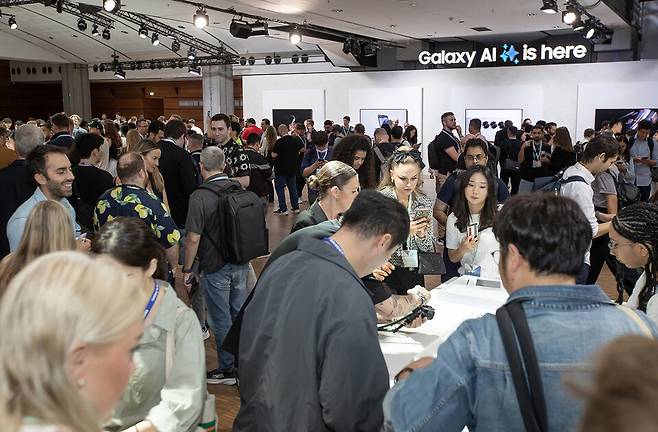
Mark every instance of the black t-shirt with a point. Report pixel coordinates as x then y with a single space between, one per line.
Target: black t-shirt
90 183
530 173
287 149
444 141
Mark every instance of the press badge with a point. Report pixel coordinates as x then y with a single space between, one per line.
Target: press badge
409 258
536 164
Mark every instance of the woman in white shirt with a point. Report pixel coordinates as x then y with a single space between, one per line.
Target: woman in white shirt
469 236
634 241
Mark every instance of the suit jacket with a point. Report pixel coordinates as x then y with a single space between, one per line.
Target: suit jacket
16 186
177 168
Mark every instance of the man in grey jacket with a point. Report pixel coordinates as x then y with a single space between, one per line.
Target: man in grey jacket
309 353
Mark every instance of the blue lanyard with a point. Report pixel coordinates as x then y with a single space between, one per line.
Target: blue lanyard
334 244
154 296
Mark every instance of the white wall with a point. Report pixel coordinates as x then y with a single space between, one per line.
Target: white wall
566 94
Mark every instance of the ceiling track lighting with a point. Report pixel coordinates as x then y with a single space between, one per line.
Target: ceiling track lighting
191 53
82 24
106 34
268 60
295 58
112 5
277 59
251 61
94 30
571 15
143 32
175 46
295 36
119 73
155 39
304 58
200 18
194 70
243 61
12 23
549 7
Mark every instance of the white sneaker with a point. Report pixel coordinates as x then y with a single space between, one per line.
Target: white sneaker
206 332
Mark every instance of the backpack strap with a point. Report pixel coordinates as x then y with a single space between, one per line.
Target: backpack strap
513 326
379 154
572 179
633 315
651 147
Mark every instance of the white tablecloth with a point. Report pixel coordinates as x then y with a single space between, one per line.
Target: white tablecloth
454 302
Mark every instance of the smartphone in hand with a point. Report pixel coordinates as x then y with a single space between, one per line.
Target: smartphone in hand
422 212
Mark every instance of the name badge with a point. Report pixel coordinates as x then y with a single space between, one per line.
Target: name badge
536 164
410 258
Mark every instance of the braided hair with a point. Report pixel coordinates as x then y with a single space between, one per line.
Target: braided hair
639 224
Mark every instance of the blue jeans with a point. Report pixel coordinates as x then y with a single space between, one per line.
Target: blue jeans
280 183
226 291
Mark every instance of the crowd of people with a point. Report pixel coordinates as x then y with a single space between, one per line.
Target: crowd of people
100 219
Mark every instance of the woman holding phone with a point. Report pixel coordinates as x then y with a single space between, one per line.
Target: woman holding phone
402 181
469 236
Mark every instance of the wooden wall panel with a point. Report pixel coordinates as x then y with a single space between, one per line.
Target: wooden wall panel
20 101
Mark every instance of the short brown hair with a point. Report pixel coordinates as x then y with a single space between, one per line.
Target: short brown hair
175 129
221 117
129 165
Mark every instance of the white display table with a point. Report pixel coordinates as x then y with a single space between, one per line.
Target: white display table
454 302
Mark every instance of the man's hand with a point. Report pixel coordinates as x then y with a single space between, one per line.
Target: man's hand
421 293
383 272
419 227
459 130
188 280
418 364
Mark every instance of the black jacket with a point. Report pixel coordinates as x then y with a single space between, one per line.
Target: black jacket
177 169
62 139
310 358
16 187
311 216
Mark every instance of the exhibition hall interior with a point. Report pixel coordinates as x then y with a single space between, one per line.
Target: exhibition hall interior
328 215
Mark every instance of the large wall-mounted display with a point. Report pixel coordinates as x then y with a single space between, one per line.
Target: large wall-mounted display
375 118
629 117
493 120
288 116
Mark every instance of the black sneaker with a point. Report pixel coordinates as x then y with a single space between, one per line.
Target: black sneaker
281 212
216 376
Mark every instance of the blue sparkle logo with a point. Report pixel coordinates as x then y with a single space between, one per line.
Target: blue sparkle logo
509 54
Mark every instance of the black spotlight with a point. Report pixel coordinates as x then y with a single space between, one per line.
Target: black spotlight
101 68
119 73
175 46
95 68
194 70
132 66
94 30
277 59
82 25
12 23
356 49
152 65
191 53
243 61
304 58
139 66
143 32
240 29
252 61
155 39
268 60
347 46
295 58
106 34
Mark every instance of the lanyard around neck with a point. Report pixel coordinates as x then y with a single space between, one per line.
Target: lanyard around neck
333 242
151 303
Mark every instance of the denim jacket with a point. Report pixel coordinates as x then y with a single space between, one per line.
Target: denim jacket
470 384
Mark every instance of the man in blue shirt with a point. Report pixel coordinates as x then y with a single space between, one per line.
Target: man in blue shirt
543 239
644 154
51 169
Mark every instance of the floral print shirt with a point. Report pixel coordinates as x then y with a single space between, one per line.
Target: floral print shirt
134 201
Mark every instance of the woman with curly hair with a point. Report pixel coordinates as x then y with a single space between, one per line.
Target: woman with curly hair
355 151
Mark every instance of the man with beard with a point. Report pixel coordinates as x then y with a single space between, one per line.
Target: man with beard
51 169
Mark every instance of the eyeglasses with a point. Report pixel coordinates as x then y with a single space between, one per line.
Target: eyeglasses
613 244
400 156
496 256
475 158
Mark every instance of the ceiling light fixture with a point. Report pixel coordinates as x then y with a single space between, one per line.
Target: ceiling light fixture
175 46
578 25
549 7
94 30
201 18
243 61
268 60
590 30
295 58
112 5
195 70
143 32
106 34
12 23
191 53
82 25
119 73
571 15
155 39
277 59
295 36
252 61
304 58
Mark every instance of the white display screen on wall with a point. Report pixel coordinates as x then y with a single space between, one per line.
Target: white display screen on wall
493 120
374 118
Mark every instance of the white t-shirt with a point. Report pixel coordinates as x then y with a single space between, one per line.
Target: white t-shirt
481 255
634 299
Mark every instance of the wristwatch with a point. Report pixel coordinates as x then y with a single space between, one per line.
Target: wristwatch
187 271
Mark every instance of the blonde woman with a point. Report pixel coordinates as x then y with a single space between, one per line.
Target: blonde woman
70 324
132 140
48 229
151 154
337 184
402 181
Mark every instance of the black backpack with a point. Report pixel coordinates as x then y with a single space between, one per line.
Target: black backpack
243 232
627 193
433 155
554 184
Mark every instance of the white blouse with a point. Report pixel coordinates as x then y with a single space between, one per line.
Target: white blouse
634 299
481 256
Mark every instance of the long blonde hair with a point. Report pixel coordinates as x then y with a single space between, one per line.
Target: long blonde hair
132 140
48 229
156 179
57 301
270 139
387 180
